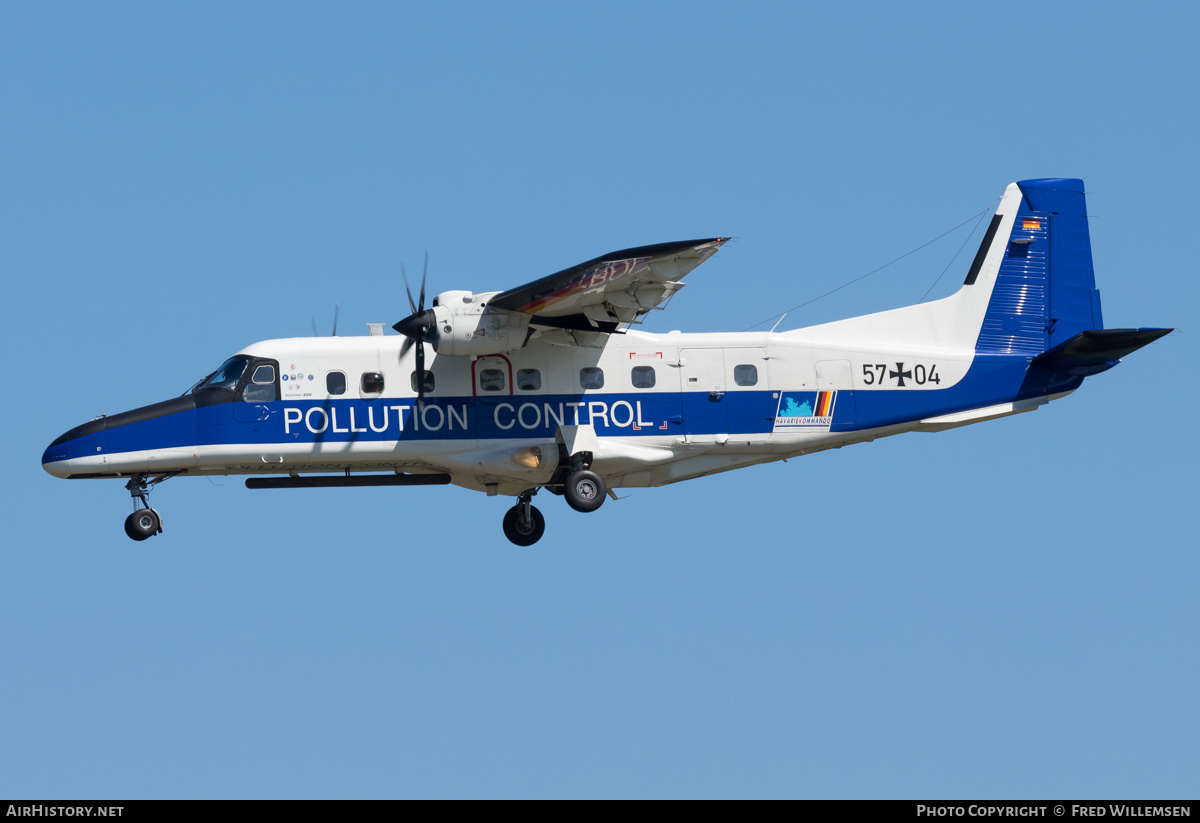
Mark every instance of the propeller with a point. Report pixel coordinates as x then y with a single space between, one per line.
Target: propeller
336 308
418 327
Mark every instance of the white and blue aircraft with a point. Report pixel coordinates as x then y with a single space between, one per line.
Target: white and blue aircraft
545 386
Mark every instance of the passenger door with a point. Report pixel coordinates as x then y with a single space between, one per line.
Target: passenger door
702 372
749 399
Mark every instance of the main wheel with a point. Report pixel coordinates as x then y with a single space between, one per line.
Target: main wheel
143 523
584 490
532 531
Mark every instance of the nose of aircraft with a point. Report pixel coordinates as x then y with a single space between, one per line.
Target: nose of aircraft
91 449
48 463
69 453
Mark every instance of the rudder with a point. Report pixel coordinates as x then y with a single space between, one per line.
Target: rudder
1045 289
1074 300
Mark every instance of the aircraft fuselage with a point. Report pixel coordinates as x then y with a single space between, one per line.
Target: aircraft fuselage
662 408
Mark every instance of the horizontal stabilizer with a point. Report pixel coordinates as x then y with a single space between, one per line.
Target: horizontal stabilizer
1095 350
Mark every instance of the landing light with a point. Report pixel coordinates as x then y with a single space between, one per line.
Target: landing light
530 458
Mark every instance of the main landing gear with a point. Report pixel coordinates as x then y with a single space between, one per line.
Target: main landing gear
145 521
583 488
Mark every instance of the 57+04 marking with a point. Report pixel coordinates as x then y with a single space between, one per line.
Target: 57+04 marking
899 376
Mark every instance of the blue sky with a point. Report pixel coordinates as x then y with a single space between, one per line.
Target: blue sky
1005 610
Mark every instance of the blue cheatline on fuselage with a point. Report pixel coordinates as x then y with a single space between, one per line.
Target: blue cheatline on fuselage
991 379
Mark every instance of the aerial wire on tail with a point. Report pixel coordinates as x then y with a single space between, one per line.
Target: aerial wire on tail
966 240
976 216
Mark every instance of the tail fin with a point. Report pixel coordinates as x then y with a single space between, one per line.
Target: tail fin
1030 291
1044 288
1044 301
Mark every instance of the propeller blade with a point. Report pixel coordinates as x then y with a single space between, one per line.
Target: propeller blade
419 327
424 271
411 304
420 373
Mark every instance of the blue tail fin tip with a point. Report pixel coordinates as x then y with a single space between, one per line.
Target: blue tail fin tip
1059 195
1064 183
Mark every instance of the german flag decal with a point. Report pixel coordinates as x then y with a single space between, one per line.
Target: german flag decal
824 404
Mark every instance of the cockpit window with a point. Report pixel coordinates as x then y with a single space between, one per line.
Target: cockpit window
199 383
227 376
261 388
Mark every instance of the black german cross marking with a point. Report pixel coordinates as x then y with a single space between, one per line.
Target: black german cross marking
900 374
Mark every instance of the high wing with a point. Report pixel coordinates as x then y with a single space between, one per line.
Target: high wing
612 290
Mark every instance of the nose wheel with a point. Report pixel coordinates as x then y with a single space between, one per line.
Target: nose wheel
523 523
145 521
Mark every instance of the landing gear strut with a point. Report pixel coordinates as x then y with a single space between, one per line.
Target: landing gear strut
144 522
523 523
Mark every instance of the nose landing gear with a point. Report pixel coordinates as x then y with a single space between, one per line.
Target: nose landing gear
523 523
145 521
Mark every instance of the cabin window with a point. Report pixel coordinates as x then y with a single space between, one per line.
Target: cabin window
591 377
372 382
335 382
529 379
643 377
745 375
491 380
428 382
261 388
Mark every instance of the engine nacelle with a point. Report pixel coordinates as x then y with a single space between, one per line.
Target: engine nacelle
467 326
